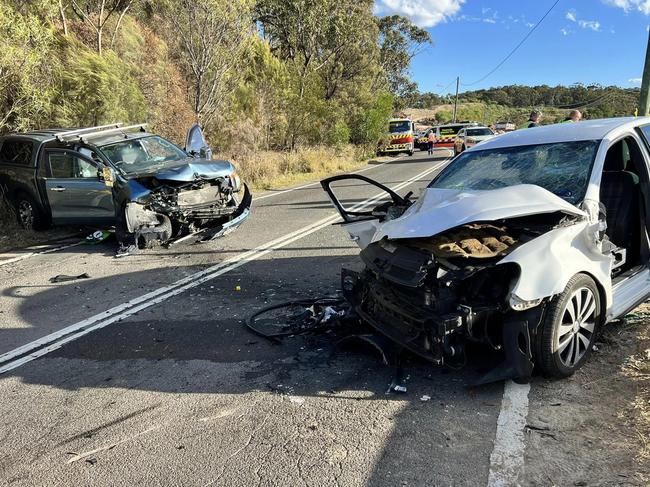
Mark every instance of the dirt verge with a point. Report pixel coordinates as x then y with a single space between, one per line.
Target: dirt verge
593 429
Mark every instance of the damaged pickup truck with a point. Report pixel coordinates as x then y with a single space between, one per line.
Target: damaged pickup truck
527 243
151 190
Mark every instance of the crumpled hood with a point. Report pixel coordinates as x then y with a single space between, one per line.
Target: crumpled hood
192 169
438 210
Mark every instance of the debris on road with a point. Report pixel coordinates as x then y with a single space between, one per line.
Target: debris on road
66 278
425 398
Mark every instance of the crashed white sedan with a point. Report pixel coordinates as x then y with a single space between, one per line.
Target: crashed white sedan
527 243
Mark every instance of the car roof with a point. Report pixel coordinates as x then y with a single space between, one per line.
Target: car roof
606 128
47 135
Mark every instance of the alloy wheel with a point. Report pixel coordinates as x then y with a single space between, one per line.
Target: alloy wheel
26 214
577 327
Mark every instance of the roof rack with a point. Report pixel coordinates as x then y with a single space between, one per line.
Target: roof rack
70 134
84 134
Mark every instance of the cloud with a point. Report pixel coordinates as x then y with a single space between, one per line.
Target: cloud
565 32
642 6
589 24
635 81
424 13
594 25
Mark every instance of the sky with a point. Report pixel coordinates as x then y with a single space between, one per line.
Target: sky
580 41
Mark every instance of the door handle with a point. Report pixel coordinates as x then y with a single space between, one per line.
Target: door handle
58 189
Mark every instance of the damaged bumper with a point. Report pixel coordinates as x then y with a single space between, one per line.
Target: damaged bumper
178 216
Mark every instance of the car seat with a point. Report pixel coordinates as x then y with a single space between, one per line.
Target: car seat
619 192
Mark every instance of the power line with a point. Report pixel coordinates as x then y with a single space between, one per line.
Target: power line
503 61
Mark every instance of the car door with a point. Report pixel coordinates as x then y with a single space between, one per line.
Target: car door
361 218
76 191
195 143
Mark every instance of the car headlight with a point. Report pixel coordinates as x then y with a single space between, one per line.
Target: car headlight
518 304
235 181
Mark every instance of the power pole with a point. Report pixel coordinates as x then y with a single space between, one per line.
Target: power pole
644 101
456 100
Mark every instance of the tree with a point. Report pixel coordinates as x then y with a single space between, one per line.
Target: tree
97 13
400 41
211 37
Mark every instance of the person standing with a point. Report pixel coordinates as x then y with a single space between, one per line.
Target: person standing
574 116
430 141
535 119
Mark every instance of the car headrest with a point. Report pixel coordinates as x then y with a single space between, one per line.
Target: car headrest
615 160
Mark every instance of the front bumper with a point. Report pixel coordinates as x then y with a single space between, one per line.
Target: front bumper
398 148
426 334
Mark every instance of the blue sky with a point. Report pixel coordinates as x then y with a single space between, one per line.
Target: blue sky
587 41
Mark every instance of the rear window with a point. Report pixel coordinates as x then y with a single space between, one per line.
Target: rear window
479 132
16 152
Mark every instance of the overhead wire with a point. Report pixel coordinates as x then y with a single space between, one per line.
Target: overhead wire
525 38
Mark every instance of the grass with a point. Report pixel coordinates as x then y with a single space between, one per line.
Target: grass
267 169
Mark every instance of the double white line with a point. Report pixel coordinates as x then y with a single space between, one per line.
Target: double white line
42 346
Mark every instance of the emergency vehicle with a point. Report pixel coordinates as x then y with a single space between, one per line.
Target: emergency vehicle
444 135
400 137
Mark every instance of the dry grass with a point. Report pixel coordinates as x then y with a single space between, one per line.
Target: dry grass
266 169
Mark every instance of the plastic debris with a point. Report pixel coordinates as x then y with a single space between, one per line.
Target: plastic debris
66 278
425 398
237 287
98 236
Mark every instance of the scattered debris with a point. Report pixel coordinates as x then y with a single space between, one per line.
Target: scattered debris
425 398
98 237
66 278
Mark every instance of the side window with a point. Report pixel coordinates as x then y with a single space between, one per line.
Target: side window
16 152
64 165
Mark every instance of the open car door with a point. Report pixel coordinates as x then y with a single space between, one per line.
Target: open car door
361 219
195 143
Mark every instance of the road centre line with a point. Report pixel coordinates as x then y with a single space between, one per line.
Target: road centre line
507 458
53 341
41 252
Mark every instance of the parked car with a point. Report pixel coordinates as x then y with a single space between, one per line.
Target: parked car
124 176
470 136
527 243
444 135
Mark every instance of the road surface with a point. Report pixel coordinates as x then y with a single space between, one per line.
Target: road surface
144 374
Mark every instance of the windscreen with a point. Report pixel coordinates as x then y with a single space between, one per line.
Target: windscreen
478 132
399 126
141 155
561 168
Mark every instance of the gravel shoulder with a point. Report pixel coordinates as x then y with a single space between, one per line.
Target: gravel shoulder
593 429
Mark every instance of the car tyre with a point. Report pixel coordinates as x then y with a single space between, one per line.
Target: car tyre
410 153
571 323
28 212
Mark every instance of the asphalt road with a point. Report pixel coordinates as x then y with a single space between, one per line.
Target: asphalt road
168 388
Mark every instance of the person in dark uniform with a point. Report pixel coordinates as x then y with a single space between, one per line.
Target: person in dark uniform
534 119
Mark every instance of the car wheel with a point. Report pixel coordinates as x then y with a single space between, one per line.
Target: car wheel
28 212
569 329
410 153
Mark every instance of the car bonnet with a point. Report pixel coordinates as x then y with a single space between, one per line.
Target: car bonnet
438 210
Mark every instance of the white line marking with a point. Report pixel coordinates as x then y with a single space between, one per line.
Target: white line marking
53 341
275 193
30 254
507 459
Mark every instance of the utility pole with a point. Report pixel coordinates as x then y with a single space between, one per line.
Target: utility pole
456 100
644 101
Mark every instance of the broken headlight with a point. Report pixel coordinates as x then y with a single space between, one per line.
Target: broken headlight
235 181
